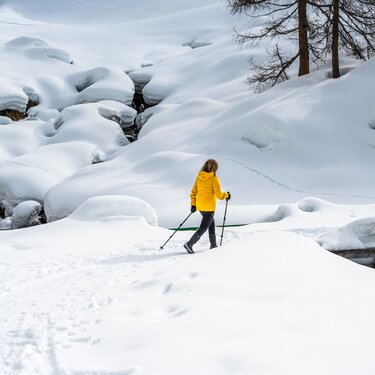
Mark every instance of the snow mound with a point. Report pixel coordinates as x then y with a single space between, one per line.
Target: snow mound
12 97
262 134
6 224
20 138
155 91
300 209
31 175
86 121
44 114
26 214
311 204
117 112
4 120
103 84
36 48
110 207
358 234
140 79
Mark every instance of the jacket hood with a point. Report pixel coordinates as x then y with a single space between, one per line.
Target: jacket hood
205 175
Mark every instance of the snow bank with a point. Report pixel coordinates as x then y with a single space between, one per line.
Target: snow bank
111 207
358 234
115 304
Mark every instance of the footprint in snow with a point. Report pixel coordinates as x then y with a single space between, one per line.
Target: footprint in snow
176 311
167 288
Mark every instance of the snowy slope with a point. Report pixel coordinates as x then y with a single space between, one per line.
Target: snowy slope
309 136
92 294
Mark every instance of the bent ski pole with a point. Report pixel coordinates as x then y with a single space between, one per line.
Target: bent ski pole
225 216
162 247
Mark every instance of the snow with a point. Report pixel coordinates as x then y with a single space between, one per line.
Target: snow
26 214
4 120
107 207
90 292
103 84
359 234
112 302
12 98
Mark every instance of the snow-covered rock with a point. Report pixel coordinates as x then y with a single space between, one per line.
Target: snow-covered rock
44 114
86 122
140 78
114 206
6 224
26 214
4 120
103 84
12 97
118 112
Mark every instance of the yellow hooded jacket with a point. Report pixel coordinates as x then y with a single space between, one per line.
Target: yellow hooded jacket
205 191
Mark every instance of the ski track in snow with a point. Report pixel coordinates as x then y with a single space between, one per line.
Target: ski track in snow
287 187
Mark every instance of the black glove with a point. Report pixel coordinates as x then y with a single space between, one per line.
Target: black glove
228 195
193 209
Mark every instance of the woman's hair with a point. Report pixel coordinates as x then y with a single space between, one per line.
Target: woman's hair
210 166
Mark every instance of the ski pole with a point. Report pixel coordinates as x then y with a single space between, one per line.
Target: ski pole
162 247
225 216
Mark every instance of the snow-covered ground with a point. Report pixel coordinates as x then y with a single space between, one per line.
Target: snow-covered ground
91 294
98 297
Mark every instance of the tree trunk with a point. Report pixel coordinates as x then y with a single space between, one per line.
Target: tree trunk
335 40
303 28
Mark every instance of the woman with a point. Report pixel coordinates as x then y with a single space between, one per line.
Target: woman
203 198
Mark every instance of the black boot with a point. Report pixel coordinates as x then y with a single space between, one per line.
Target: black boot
212 241
188 246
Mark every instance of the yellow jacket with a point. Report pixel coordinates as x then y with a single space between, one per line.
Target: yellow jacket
205 191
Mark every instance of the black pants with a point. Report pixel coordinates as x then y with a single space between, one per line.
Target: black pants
208 222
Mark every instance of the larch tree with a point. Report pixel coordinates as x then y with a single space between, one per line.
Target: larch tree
349 27
285 19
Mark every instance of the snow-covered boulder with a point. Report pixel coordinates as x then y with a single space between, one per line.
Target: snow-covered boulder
44 114
118 112
86 121
113 206
140 79
26 214
103 84
6 224
12 97
4 120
